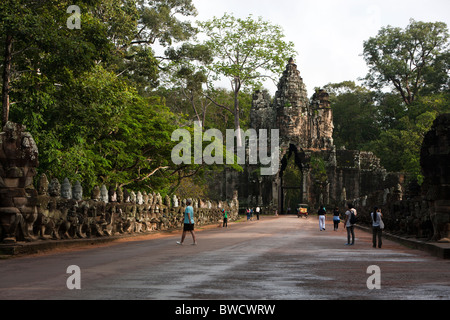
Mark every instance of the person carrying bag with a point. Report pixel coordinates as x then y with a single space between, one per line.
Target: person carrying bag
377 227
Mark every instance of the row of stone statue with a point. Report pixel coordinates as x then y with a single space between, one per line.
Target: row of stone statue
112 195
61 212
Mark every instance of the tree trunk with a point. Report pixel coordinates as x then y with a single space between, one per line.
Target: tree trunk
6 79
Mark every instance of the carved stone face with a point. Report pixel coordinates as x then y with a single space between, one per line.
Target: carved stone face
104 194
77 191
66 189
43 185
54 189
96 194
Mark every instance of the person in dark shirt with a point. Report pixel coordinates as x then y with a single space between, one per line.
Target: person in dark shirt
322 213
336 218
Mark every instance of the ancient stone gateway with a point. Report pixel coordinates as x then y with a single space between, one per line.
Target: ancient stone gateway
328 176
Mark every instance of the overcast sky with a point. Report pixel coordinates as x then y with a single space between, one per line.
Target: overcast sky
329 34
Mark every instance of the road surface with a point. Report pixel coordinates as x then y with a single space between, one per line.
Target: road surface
276 258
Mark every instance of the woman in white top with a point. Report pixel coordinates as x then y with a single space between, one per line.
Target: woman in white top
377 231
349 225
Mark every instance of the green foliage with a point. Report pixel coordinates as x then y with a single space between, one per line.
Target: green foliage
354 112
88 96
414 61
83 93
319 171
247 50
292 177
159 21
103 133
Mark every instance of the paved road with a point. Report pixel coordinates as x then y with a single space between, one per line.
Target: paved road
282 258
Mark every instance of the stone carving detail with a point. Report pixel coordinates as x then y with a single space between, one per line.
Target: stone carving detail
435 162
66 189
77 192
304 123
18 163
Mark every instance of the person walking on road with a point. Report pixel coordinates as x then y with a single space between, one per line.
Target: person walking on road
189 223
350 218
336 218
322 218
225 218
377 229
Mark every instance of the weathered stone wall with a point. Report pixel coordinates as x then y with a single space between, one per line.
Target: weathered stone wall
408 217
59 211
63 213
422 212
435 162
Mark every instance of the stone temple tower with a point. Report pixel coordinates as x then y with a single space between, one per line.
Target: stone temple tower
303 123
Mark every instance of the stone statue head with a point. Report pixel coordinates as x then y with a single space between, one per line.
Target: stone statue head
145 197
104 194
96 194
126 196
133 197
54 188
77 191
66 189
112 194
139 198
43 185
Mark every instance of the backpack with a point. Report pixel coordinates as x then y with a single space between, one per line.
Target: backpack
353 217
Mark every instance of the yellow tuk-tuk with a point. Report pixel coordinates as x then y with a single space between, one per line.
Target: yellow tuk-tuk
303 211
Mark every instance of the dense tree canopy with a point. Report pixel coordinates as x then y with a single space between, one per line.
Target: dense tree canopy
408 87
414 61
103 100
83 93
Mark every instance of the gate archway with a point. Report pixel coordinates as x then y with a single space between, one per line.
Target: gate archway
292 181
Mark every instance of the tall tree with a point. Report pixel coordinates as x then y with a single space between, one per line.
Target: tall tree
355 114
414 60
40 48
247 52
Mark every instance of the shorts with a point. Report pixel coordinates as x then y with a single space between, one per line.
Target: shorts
188 227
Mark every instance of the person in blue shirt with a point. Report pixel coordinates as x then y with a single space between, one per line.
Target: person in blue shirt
189 223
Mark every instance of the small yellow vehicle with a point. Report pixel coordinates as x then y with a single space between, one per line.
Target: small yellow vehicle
302 211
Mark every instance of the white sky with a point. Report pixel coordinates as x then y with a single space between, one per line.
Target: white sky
329 35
